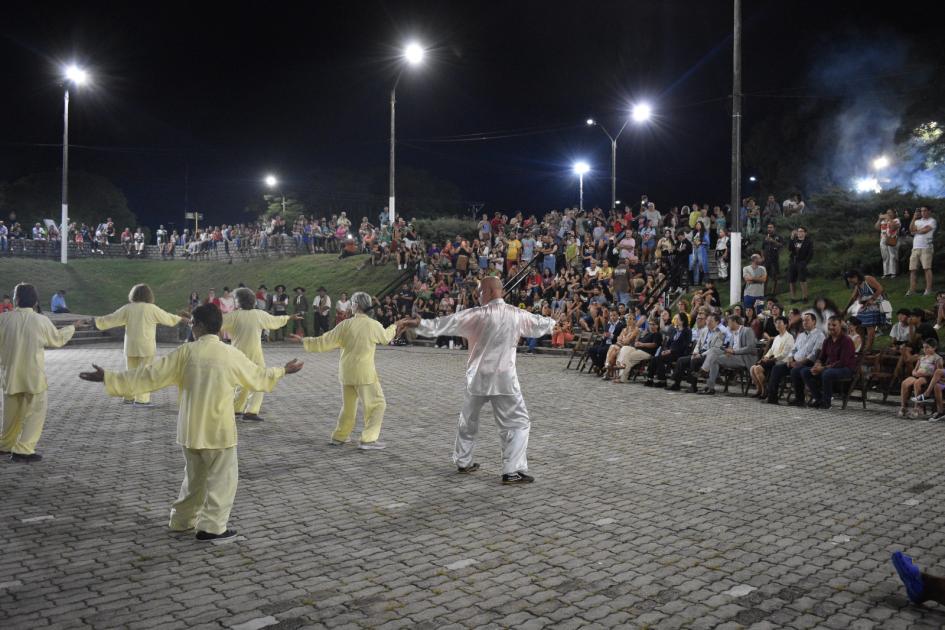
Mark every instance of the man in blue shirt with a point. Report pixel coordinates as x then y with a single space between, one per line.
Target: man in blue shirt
58 302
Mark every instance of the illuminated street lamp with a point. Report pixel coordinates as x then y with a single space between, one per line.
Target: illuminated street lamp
580 168
413 54
272 181
76 76
880 163
640 114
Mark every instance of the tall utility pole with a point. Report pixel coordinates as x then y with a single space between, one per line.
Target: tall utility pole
64 227
735 276
391 201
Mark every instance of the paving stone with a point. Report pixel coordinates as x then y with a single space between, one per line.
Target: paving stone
796 530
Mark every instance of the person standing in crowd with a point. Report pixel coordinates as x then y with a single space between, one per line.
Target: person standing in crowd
58 302
869 293
206 373
245 327
801 253
922 228
342 308
280 307
754 275
140 317
357 338
771 249
24 334
300 307
493 331
888 225
321 305
837 360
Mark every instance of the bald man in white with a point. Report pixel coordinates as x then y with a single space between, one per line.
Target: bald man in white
493 331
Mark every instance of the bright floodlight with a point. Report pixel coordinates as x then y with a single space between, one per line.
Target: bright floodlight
581 167
867 184
76 74
590 122
271 181
641 112
413 53
880 163
753 179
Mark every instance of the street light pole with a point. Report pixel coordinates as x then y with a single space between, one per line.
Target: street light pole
413 54
580 168
64 227
641 113
77 76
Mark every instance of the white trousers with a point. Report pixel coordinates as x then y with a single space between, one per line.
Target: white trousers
890 259
511 417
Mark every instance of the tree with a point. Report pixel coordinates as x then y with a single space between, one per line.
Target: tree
92 199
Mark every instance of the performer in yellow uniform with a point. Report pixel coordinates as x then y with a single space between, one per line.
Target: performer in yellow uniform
140 318
23 335
245 327
357 338
205 373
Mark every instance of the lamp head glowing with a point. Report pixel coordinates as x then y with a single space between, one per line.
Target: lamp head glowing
271 181
880 163
591 122
76 75
753 179
581 167
414 53
641 112
867 184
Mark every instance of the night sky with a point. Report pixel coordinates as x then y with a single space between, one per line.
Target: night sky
222 94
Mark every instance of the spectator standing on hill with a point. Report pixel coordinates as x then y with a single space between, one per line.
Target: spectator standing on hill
889 226
771 249
754 275
801 252
922 228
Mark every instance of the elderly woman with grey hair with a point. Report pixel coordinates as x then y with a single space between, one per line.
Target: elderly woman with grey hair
357 338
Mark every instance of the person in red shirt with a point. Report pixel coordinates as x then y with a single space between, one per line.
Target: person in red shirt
6 305
837 361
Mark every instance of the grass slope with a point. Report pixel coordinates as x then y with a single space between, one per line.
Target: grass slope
96 287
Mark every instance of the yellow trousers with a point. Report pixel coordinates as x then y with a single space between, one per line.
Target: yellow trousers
134 362
23 418
372 398
247 401
207 493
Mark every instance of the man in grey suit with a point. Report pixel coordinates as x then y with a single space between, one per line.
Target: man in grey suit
741 354
687 366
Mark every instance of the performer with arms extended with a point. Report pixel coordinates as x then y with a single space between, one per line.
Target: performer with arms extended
205 372
493 331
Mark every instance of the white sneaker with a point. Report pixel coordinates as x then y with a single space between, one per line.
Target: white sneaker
938 416
371 446
918 399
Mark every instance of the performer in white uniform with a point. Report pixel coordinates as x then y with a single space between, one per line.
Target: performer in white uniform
493 331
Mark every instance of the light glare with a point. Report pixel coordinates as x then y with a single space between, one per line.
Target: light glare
76 74
581 167
590 122
880 163
413 53
641 112
867 184
271 181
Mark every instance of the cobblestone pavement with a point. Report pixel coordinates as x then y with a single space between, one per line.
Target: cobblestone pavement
651 509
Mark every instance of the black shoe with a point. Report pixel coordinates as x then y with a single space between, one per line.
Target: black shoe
230 533
659 384
468 469
25 459
517 477
252 416
648 383
815 403
707 392
797 403
675 387
770 401
692 389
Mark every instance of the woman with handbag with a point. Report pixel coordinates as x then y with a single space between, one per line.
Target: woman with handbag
888 225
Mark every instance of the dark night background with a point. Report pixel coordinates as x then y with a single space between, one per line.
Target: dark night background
219 95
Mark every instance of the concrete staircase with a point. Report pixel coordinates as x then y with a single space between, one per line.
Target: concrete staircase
87 336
